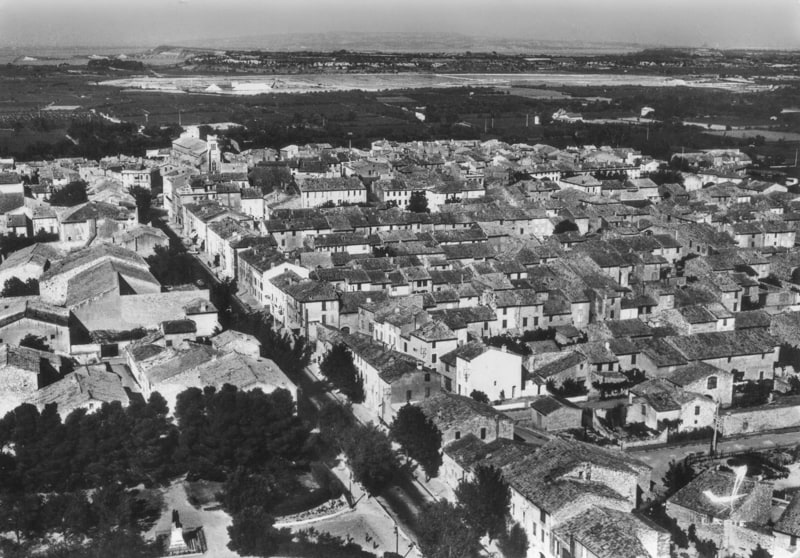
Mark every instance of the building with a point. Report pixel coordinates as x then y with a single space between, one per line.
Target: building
315 192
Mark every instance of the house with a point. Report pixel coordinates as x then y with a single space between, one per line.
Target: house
705 379
478 367
21 316
725 507
457 416
24 370
552 413
390 378
562 480
429 342
142 239
29 262
315 192
786 530
257 266
85 222
608 533
88 387
660 405
751 352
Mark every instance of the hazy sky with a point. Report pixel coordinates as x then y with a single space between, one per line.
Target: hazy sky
723 23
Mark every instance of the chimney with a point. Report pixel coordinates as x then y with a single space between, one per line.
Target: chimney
419 366
504 348
607 346
396 309
369 300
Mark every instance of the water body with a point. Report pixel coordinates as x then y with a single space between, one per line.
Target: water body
304 83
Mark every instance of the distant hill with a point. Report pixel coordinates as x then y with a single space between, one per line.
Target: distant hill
411 42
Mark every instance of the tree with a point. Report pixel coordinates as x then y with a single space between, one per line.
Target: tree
759 552
35 342
485 501
338 368
335 422
15 286
253 533
514 543
678 475
244 490
70 195
371 458
479 396
20 513
419 437
269 178
144 200
565 226
443 532
418 202
171 266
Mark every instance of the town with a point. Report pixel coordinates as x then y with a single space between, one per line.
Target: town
563 352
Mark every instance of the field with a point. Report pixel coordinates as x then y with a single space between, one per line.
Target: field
482 106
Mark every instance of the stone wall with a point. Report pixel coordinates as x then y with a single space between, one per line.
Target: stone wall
759 419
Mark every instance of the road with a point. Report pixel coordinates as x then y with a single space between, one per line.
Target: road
401 503
659 458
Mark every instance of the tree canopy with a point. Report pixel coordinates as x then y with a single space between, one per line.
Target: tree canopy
35 342
485 501
419 437
72 194
444 533
371 458
144 200
171 266
418 202
225 429
14 286
565 226
338 368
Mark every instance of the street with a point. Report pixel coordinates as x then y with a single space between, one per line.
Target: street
659 458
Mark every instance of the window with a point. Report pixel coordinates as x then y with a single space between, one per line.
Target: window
324 319
324 305
633 358
505 311
427 392
505 324
433 345
169 342
535 322
542 517
483 433
408 395
458 435
697 409
427 376
433 359
644 410
533 525
405 347
524 322
711 383
761 375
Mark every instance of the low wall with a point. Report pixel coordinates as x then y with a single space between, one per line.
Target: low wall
761 418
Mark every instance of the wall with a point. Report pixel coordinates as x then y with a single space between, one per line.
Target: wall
496 373
759 419
56 336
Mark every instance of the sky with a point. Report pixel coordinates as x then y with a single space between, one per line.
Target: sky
716 23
